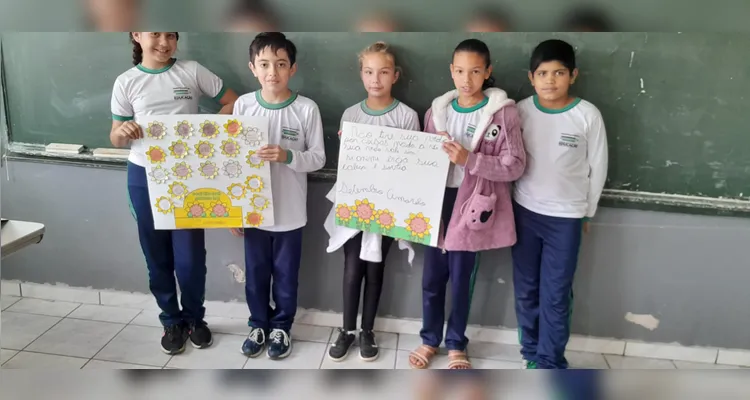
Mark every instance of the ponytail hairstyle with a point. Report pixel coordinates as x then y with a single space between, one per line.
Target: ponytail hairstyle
479 47
138 50
383 48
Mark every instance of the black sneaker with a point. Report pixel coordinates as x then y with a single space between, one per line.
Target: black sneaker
368 348
200 335
340 348
174 338
255 343
280 345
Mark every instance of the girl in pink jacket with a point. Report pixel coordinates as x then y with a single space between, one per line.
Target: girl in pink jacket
487 154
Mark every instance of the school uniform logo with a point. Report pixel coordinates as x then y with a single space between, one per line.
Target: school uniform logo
182 93
289 134
470 129
568 140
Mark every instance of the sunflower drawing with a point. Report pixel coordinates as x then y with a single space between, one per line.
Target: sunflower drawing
195 210
204 149
156 130
418 225
179 149
254 219
252 136
219 210
156 155
164 205
209 129
183 129
236 191
159 175
259 202
232 168
233 127
177 190
343 213
230 148
182 170
254 183
209 170
385 219
254 160
364 211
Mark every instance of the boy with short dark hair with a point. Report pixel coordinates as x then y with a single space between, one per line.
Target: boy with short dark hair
566 169
295 148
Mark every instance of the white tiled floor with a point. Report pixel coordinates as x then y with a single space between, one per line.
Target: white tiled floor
125 333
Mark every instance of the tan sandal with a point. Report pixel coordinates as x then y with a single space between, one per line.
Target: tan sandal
458 360
421 357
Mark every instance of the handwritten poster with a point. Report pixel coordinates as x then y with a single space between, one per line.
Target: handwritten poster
203 171
391 182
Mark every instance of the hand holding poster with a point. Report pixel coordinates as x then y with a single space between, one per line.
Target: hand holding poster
391 182
203 171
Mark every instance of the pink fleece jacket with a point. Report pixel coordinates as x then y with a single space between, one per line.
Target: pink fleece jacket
482 218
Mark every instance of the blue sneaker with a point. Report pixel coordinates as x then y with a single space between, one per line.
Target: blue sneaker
255 343
280 345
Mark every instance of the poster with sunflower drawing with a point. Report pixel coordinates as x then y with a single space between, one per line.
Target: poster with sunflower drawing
391 181
204 172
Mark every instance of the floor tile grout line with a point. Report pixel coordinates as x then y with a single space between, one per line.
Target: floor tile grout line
86 363
11 304
325 352
11 357
109 341
43 333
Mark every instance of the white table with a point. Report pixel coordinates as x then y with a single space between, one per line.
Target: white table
16 235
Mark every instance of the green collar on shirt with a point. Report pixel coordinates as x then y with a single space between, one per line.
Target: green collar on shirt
473 108
555 110
377 113
156 71
276 106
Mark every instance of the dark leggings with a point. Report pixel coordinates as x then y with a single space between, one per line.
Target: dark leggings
355 270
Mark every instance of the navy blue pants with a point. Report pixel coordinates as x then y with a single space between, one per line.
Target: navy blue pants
458 268
577 384
169 253
277 256
544 262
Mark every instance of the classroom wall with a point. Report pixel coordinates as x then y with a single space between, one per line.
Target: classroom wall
689 272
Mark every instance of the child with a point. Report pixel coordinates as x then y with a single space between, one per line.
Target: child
148 89
567 147
364 252
295 148
487 153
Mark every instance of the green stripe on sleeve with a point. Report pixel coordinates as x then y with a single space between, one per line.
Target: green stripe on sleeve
121 118
221 93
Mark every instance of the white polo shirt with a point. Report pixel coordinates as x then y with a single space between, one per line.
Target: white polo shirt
567 159
397 115
295 125
174 89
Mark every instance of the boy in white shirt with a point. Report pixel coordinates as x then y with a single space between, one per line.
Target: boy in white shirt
295 149
565 173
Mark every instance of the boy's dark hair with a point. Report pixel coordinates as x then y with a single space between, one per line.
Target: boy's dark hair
479 47
138 50
553 50
274 40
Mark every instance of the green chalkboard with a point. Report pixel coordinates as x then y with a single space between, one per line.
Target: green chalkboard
674 104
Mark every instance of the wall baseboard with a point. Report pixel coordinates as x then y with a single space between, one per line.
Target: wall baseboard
237 309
